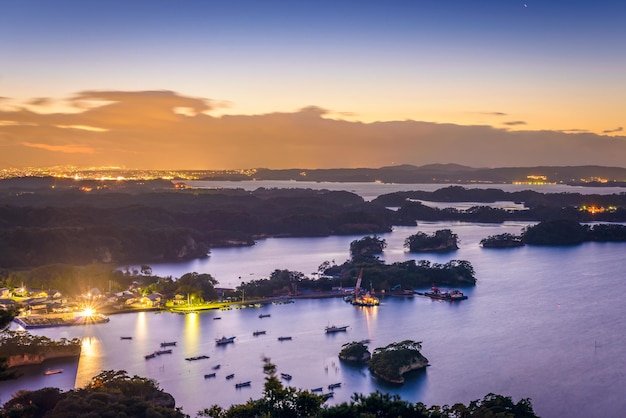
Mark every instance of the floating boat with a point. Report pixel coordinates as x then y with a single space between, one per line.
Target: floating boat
334 385
202 357
230 376
242 384
449 295
225 340
319 389
126 338
149 356
168 343
255 333
210 375
217 317
285 376
264 315
52 371
332 328
217 367
327 395
284 338
159 352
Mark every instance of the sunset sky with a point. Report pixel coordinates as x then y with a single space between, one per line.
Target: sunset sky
209 84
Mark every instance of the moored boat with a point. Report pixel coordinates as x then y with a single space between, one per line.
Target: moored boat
52 371
332 328
255 333
334 385
126 338
449 295
149 356
284 338
217 367
159 352
230 376
168 343
209 375
225 340
319 389
285 376
197 358
264 315
242 384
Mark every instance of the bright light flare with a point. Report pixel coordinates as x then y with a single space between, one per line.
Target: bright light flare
89 312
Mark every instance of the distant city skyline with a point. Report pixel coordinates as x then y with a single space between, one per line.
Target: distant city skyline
276 84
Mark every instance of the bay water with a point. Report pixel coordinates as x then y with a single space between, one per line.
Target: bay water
542 322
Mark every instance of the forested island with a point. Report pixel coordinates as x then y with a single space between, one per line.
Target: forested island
84 223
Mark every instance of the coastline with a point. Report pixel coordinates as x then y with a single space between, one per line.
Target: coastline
47 353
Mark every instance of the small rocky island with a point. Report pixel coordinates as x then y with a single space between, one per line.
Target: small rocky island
505 240
355 352
390 363
441 240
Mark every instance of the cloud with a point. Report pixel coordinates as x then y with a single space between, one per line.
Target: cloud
493 113
573 130
41 101
68 149
144 129
515 123
612 131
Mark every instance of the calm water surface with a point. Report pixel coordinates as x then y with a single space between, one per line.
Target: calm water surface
545 323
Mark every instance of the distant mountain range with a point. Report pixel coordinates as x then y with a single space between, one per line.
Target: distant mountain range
443 173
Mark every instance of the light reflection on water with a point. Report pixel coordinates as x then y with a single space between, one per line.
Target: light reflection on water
541 322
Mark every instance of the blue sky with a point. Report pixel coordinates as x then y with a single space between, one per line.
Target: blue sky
511 65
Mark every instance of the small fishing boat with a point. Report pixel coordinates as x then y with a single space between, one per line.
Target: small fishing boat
126 338
326 396
217 317
149 356
334 385
159 352
202 357
168 343
225 340
230 376
242 384
285 376
217 367
264 315
332 328
210 375
256 333
319 389
284 338
52 371
449 295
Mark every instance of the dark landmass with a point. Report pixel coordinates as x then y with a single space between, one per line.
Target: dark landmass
110 393
558 232
589 175
83 222
443 173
